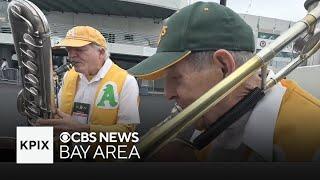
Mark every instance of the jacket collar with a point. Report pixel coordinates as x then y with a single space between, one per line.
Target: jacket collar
259 130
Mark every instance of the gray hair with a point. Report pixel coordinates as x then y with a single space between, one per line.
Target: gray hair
107 54
203 59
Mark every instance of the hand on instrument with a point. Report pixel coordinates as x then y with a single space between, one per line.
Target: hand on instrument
63 122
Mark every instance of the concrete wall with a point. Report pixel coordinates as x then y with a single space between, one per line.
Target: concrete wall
61 22
3 11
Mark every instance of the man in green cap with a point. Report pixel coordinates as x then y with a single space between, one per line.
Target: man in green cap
199 46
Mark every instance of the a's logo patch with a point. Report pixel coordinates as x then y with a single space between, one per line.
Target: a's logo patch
108 96
71 33
163 32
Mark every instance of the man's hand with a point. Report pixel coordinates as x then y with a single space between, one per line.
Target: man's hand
63 122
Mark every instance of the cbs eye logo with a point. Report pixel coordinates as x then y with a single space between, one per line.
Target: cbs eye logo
65 137
78 137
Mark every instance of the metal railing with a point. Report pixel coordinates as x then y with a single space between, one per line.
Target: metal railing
112 35
10 75
150 87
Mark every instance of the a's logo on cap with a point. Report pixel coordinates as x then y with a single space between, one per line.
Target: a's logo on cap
71 33
162 33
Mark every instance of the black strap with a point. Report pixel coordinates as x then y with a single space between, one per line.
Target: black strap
229 118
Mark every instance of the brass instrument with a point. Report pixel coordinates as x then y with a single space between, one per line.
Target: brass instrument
31 35
154 140
63 68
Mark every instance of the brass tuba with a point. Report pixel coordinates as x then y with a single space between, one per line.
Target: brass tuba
31 35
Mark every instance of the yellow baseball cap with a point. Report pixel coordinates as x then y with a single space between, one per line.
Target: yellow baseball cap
82 35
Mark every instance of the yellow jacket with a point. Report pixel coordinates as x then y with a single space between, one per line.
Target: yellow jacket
284 126
297 131
102 119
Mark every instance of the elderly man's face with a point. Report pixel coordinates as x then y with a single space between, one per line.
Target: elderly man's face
85 59
184 84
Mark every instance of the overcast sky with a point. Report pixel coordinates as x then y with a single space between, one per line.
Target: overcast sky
292 10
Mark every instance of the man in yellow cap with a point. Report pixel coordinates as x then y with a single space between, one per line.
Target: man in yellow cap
96 95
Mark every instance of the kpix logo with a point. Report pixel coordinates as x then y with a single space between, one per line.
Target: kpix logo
34 145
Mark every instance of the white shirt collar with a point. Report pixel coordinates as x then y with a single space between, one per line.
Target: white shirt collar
259 130
101 73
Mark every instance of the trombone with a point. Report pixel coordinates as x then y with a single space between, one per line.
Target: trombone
154 140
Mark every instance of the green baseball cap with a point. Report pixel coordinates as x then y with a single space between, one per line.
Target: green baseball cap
202 26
